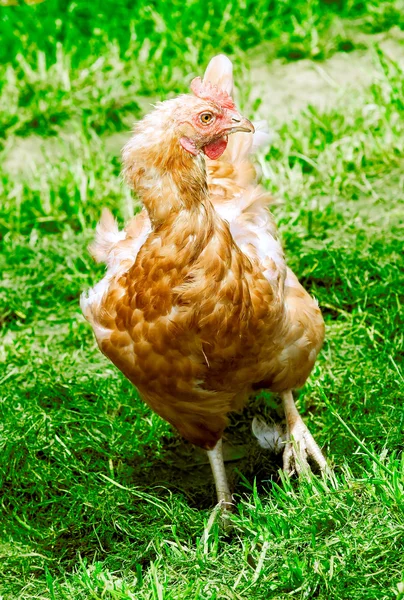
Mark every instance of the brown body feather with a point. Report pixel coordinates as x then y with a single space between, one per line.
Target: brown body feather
190 312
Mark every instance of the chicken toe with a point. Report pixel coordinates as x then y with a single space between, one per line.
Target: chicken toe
300 445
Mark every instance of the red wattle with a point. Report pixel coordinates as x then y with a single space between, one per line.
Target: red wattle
215 149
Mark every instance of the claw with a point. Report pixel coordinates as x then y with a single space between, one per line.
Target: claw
301 445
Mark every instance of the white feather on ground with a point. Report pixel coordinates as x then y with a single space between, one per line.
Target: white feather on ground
271 437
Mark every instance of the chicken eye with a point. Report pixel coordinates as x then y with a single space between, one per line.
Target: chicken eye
206 118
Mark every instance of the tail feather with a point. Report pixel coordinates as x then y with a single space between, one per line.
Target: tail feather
234 189
220 72
107 234
262 137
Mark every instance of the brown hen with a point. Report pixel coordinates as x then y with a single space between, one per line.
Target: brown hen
197 307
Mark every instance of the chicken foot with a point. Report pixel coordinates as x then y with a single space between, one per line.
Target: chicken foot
300 444
215 456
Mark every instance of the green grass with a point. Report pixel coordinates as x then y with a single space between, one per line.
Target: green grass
100 498
90 62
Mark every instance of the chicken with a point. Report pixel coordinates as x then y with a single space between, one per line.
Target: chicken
197 308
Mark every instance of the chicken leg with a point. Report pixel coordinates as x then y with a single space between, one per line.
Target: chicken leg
215 456
300 444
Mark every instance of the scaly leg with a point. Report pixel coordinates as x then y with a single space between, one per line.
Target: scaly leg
300 443
219 474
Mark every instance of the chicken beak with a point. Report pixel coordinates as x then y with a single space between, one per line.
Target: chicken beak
241 124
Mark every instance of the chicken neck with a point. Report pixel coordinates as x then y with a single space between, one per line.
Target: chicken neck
173 187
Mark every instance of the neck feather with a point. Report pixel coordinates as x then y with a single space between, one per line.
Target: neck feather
168 179
173 187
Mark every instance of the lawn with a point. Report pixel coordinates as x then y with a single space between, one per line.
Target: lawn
100 497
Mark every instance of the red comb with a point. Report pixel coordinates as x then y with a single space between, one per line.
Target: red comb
208 91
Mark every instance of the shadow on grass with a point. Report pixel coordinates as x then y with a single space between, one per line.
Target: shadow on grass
185 469
65 500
